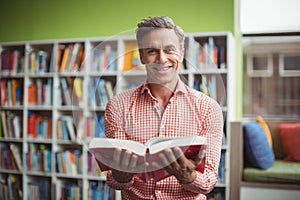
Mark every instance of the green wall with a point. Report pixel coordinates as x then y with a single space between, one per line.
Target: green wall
25 20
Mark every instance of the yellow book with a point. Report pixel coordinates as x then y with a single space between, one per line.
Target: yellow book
78 89
32 62
64 61
130 47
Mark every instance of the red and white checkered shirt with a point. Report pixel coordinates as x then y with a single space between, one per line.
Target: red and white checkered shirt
136 115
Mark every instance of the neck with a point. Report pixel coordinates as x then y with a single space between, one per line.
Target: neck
162 93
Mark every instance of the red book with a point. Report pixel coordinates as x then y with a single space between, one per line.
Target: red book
148 153
31 125
3 93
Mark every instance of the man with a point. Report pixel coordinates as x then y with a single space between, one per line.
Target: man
164 106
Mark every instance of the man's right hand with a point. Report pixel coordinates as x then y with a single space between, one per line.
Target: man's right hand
123 164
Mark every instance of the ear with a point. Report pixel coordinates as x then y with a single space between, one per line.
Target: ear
181 55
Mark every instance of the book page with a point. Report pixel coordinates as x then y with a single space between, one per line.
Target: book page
107 143
185 141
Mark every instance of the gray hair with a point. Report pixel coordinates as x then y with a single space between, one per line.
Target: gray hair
152 23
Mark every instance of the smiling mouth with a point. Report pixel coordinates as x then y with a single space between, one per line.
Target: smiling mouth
162 68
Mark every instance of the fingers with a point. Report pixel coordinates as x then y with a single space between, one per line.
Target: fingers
173 160
175 157
200 157
180 157
126 161
116 158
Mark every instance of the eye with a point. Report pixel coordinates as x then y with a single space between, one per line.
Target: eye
170 49
151 51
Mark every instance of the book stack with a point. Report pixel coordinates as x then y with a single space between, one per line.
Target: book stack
70 57
12 62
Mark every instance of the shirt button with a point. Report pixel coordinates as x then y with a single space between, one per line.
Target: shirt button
159 192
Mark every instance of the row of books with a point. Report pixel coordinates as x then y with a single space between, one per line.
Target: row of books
99 190
104 59
39 62
12 61
11 187
11 92
100 92
11 157
83 131
95 127
66 129
69 162
70 57
212 86
71 91
40 92
208 54
10 124
39 158
72 191
40 189
39 126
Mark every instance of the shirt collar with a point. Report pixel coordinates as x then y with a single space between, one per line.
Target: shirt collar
180 87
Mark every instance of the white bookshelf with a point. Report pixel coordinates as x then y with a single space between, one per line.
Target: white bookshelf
119 79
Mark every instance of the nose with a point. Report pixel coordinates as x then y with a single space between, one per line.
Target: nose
162 57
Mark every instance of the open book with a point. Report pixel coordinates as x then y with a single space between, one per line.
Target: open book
148 153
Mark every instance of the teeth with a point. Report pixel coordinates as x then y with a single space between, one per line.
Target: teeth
162 69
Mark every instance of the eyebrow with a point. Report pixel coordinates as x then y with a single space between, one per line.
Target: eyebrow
165 47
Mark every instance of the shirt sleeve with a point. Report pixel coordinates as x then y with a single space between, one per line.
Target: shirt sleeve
206 181
113 129
110 181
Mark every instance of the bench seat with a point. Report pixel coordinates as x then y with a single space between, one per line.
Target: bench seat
281 172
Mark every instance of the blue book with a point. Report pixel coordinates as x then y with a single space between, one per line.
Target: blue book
92 94
112 61
49 160
65 130
99 126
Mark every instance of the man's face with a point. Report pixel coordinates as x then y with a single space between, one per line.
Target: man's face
162 55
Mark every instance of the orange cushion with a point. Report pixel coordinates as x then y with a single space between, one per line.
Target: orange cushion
264 125
290 138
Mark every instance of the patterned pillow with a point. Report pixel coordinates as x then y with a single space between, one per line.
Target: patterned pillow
290 138
264 125
257 151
